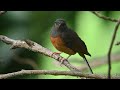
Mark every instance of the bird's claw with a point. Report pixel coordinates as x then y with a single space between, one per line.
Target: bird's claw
61 62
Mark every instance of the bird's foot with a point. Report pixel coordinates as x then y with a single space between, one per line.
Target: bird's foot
64 60
61 61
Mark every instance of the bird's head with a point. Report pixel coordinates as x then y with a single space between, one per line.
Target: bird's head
60 23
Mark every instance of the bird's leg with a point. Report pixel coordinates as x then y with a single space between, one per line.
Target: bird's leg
63 60
68 57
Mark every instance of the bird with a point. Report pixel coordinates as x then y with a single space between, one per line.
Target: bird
64 39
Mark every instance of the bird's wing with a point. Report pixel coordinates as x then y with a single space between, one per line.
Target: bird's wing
74 42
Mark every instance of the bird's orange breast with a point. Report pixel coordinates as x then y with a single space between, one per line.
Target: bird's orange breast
60 45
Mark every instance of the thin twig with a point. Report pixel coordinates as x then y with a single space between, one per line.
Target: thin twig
36 48
110 49
52 72
104 17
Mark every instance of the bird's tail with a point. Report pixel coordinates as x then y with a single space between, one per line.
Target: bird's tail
88 64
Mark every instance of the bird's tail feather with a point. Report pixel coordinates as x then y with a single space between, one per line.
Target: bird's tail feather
88 64
88 54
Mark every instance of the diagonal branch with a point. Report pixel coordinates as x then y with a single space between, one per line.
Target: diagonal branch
110 49
52 72
33 46
104 17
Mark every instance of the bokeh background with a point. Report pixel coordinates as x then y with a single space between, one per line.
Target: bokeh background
36 26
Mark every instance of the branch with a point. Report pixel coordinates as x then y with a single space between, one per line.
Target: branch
110 49
53 72
27 61
104 17
33 46
100 61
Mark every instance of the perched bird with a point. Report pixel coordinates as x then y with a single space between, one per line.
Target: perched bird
66 40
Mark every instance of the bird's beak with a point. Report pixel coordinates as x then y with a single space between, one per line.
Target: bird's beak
57 25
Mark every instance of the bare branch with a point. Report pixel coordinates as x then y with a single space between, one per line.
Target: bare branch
110 49
100 61
53 72
104 17
27 61
113 38
36 48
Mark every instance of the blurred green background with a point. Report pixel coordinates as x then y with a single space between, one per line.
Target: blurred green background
36 26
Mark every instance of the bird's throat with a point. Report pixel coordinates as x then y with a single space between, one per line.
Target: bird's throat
55 33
